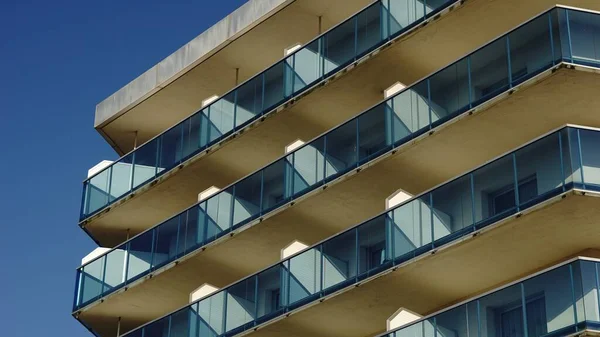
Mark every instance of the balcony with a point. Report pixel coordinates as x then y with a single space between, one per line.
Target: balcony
233 112
561 301
170 180
539 201
239 46
224 225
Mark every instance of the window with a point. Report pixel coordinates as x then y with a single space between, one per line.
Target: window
375 256
511 319
504 198
275 300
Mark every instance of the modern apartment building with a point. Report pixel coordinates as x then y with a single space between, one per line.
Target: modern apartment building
355 168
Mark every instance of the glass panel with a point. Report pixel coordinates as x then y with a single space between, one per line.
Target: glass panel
590 157
403 13
140 255
205 127
274 86
449 91
424 328
97 191
339 260
373 134
170 148
274 185
452 208
501 313
183 323
339 46
455 323
166 245
410 111
120 178
577 175
585 275
270 292
565 41
307 65
368 32
555 23
474 319
567 169
247 198
249 101
304 273
210 315
114 274
494 190
549 302
489 71
215 215
539 170
411 226
372 243
434 5
91 280
194 229
159 328
585 37
308 165
530 49
221 114
191 135
195 322
341 149
241 304
145 163
136 333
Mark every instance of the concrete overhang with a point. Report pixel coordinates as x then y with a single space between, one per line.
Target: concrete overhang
546 102
357 88
250 39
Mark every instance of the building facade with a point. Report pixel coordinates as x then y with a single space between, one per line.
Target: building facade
356 168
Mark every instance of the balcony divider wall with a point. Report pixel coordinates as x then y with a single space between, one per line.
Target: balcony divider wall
535 46
317 60
545 168
558 302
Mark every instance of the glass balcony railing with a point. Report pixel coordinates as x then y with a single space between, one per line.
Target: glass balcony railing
545 168
560 302
370 28
380 129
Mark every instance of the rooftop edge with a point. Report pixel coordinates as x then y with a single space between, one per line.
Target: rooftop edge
244 18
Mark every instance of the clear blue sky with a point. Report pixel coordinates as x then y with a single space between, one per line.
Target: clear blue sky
58 60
